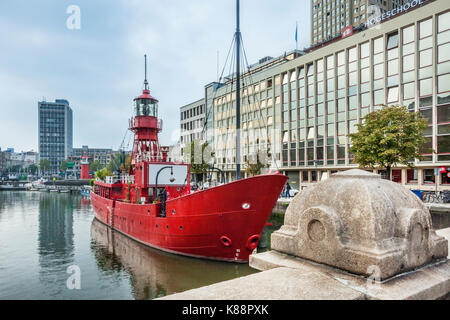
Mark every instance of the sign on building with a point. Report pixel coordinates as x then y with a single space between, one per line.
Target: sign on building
347 31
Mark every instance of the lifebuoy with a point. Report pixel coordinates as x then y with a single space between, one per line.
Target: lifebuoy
225 241
252 242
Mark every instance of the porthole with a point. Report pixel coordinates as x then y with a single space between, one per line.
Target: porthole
246 206
167 226
181 227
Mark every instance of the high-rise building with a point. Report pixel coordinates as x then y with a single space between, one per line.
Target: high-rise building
55 132
330 17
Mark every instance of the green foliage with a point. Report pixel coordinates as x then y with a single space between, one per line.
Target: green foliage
33 168
102 174
198 159
95 166
63 166
44 165
253 169
118 161
15 168
388 137
128 192
138 196
127 164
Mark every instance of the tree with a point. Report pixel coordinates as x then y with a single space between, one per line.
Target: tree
254 168
102 174
117 162
44 165
33 168
63 166
95 166
387 137
198 158
127 164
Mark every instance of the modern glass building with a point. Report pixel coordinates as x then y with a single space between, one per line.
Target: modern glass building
301 108
55 132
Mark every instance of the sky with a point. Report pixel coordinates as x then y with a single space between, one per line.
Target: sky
99 67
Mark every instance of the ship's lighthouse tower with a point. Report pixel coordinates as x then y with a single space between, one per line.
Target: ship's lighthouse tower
146 126
85 168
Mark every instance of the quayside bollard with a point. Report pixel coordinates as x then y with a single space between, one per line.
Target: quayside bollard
355 220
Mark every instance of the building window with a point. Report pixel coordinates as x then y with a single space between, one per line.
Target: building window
425 62
392 41
412 176
443 59
443 146
425 29
428 176
396 175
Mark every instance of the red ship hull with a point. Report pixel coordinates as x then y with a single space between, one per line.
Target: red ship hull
220 223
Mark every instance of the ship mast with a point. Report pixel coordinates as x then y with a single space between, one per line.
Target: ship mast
238 95
145 77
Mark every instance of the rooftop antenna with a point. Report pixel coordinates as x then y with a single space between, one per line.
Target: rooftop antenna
145 79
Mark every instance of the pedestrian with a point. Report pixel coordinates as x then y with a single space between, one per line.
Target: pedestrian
288 189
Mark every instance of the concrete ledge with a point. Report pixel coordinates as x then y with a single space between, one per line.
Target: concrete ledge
276 284
431 282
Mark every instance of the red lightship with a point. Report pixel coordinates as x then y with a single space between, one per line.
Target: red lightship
222 222
153 203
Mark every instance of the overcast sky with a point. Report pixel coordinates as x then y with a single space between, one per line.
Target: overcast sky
99 68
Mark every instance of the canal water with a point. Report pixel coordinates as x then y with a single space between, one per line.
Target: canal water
47 239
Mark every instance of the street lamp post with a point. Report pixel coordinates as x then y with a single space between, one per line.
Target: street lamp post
163 203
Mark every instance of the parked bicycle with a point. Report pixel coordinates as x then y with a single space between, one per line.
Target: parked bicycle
436 197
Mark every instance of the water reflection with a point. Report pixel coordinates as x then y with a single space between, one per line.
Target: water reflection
154 273
55 239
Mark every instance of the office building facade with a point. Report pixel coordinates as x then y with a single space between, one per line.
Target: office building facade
101 155
302 109
192 122
55 132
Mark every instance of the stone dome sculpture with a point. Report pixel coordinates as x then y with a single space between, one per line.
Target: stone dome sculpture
355 220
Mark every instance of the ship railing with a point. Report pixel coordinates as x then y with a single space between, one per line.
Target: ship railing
111 179
127 179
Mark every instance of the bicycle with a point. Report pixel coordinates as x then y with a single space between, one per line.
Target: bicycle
436 197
